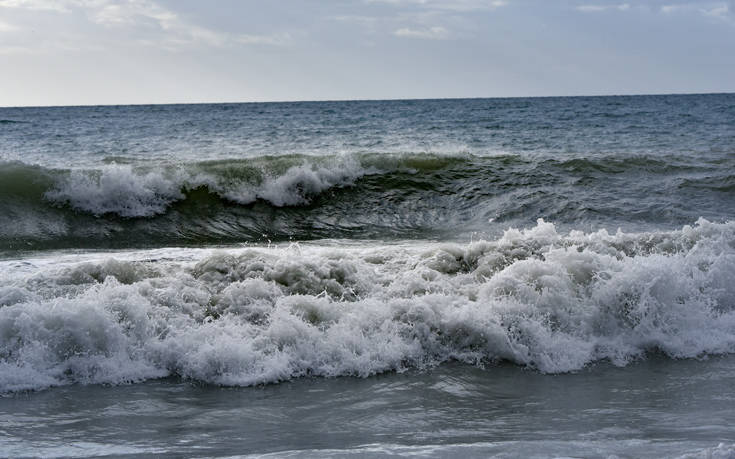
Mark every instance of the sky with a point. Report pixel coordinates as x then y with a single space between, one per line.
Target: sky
82 52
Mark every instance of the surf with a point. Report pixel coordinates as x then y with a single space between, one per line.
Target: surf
540 298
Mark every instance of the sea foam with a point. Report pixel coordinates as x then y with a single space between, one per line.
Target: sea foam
550 301
134 192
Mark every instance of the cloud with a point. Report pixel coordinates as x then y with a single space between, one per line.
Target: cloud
5 27
136 13
714 10
667 9
447 5
151 23
126 13
598 8
430 33
38 5
421 19
356 19
273 40
720 11
8 50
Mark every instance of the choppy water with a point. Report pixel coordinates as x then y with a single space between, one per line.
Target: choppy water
485 248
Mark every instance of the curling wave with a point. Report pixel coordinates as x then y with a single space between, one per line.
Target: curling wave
540 298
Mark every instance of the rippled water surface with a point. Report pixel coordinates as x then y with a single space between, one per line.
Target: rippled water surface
656 408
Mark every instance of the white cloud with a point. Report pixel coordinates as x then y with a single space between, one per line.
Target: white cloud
124 13
6 50
364 20
273 40
598 8
719 11
588 8
422 19
154 25
5 27
715 10
448 5
134 13
670 8
429 33
39 5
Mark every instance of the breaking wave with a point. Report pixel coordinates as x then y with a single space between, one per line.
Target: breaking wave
127 192
366 195
537 297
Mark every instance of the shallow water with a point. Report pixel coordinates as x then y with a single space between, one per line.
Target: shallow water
654 408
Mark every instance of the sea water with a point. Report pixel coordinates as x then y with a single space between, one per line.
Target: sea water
508 277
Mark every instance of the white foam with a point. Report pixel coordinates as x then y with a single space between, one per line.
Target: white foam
117 189
130 192
550 301
298 184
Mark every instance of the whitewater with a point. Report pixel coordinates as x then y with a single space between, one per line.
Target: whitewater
508 277
540 299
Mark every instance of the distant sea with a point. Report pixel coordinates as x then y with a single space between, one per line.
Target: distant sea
521 277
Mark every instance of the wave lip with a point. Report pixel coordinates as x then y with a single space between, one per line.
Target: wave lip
116 189
550 301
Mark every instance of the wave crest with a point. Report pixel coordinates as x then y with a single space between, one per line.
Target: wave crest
116 189
130 192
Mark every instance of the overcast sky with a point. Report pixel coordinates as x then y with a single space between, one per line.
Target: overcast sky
64 52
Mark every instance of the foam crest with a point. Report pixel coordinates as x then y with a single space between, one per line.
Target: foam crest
117 189
130 192
550 301
298 184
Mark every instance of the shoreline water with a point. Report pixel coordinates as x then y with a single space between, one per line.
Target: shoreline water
653 408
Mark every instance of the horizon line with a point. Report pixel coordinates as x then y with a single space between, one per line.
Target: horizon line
369 100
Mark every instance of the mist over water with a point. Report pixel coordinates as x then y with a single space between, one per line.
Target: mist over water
496 243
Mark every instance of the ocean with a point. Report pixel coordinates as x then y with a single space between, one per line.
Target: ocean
519 277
